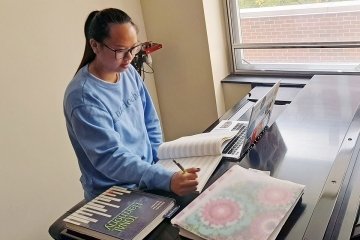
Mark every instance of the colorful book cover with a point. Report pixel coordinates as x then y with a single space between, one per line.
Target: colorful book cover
120 214
242 204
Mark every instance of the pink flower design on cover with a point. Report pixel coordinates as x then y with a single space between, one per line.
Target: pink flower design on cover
263 225
221 212
275 196
221 218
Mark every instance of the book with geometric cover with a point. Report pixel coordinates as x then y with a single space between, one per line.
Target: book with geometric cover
119 213
241 204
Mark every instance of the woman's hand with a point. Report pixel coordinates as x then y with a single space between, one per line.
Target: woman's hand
183 183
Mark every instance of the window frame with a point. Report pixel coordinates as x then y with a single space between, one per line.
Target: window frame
233 24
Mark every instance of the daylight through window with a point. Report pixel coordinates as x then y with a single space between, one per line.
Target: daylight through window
295 36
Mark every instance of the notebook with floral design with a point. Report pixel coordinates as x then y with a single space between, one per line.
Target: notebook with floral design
241 204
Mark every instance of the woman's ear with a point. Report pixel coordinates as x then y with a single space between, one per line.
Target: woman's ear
94 45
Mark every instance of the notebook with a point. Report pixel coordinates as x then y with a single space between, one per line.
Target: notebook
248 131
253 206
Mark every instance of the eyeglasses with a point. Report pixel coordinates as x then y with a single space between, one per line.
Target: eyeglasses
121 53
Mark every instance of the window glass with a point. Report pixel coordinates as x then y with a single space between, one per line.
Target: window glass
290 32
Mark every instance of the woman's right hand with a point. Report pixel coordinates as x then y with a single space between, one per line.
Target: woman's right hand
183 183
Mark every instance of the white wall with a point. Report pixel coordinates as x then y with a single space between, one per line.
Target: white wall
40 48
218 50
189 67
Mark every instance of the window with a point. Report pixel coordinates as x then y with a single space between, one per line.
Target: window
294 36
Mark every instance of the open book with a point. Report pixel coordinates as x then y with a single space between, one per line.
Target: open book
241 204
200 150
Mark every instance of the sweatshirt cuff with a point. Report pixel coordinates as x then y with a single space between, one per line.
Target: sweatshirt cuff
157 177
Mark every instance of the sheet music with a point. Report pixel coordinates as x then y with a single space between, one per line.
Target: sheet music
203 144
207 165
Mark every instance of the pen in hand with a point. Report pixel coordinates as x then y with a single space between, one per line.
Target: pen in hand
179 165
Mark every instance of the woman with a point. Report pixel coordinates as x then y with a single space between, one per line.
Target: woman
110 118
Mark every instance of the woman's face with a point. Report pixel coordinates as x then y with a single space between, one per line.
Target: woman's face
113 52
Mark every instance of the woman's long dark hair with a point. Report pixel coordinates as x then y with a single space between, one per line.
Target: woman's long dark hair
97 28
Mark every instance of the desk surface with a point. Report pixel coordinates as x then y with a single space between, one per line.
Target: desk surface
313 142
313 148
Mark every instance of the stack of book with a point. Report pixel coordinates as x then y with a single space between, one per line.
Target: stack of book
241 204
120 214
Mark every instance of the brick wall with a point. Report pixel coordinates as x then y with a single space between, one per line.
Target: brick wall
327 27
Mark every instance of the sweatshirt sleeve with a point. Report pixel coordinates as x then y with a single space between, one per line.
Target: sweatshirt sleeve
95 133
152 122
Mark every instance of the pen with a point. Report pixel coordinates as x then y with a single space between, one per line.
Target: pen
179 165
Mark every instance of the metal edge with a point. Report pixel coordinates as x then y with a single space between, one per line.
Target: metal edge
324 207
350 206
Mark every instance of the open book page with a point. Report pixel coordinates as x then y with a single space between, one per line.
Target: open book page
207 165
202 144
241 204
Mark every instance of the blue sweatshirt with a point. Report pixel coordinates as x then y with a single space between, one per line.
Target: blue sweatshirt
115 132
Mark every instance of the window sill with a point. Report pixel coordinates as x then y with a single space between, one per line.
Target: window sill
298 82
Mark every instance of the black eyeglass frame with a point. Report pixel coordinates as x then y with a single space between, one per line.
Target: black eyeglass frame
125 51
